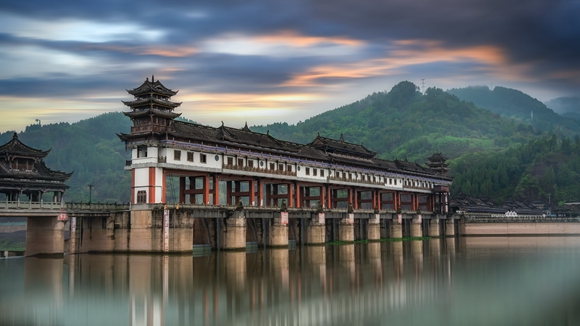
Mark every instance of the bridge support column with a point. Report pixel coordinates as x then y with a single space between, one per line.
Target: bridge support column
234 233
434 230
316 230
44 236
416 231
278 233
346 229
395 229
450 227
374 228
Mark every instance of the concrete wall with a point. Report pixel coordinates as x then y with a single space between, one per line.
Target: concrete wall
44 236
520 228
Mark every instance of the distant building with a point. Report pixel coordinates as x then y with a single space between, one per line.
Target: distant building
23 172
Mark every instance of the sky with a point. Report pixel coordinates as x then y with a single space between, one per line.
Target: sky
265 61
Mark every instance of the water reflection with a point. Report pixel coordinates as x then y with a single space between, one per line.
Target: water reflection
444 281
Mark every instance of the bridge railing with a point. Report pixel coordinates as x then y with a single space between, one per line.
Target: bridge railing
30 205
96 206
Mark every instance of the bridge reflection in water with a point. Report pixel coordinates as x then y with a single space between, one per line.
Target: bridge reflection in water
436 282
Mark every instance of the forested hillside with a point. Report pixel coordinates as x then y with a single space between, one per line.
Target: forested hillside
547 168
404 123
91 149
517 105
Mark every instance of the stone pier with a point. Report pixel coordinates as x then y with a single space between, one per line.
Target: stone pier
234 233
374 228
416 231
450 227
434 230
278 235
346 230
44 236
395 229
316 230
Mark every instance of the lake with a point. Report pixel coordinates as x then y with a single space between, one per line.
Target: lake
447 281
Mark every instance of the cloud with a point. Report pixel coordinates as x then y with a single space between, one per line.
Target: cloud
290 58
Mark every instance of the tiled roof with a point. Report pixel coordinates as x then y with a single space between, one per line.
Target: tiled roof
16 147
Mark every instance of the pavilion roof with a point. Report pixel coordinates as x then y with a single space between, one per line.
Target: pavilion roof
152 87
151 101
146 112
341 146
16 147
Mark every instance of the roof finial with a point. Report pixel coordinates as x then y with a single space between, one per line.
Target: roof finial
318 133
152 78
341 137
15 136
222 123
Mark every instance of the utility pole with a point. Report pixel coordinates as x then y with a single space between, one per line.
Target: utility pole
90 193
423 85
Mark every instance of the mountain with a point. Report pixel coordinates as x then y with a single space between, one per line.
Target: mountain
568 107
403 123
91 149
544 169
519 106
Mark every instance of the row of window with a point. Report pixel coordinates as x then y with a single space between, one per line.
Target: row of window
307 170
177 156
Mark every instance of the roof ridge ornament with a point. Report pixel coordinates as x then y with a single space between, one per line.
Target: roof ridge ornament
341 138
15 136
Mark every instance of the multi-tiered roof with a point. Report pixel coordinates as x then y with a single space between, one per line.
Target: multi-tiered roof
437 163
22 168
152 108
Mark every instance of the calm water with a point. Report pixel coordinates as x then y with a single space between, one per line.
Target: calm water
473 281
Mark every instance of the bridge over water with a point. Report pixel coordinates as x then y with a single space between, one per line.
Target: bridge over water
97 227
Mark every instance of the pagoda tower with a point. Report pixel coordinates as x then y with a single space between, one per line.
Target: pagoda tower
152 113
152 108
437 163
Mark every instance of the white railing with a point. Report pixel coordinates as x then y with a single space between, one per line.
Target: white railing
30 205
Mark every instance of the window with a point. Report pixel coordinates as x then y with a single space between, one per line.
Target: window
141 197
307 171
290 169
241 162
202 158
190 156
272 166
251 163
314 172
230 161
281 167
177 155
322 173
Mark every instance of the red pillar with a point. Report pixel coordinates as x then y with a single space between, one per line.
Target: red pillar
328 197
206 190
290 195
216 190
132 187
298 195
164 187
151 185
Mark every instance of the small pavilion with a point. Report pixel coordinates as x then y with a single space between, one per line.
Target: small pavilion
23 172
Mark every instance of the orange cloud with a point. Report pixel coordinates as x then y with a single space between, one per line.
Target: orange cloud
298 40
413 52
